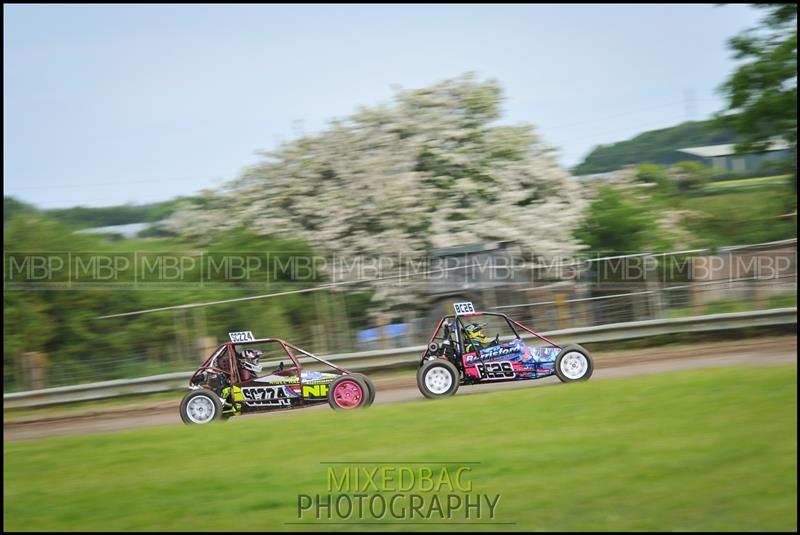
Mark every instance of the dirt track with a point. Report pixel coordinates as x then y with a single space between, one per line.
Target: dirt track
782 350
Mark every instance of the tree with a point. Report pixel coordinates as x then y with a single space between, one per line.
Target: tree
617 224
652 173
55 312
13 207
427 171
690 175
762 92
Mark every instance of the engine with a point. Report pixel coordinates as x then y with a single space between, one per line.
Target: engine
212 380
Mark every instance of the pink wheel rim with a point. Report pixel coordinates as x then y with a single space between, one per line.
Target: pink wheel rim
348 395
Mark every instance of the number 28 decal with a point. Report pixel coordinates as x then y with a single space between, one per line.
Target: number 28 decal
495 370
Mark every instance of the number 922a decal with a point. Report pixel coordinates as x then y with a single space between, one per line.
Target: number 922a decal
495 370
265 396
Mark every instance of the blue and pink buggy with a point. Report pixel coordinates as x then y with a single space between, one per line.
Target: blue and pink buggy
453 357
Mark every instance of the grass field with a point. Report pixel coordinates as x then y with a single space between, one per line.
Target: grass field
738 216
701 450
748 182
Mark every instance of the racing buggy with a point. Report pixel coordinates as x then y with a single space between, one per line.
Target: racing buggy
230 383
459 352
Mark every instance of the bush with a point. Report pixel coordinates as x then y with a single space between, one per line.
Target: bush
651 173
617 223
692 175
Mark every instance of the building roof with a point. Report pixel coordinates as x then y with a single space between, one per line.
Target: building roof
710 151
129 231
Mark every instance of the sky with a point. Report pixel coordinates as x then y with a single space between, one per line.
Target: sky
115 104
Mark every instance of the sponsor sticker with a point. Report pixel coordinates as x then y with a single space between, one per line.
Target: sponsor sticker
315 391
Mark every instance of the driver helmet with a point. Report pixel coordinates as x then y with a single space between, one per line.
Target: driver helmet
475 333
249 360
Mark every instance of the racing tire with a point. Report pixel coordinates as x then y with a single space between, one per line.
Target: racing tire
200 407
574 363
370 388
348 392
437 378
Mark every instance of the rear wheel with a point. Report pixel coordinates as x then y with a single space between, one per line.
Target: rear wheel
437 378
574 363
200 407
348 392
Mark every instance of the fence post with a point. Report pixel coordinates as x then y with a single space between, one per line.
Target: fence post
560 302
34 370
205 345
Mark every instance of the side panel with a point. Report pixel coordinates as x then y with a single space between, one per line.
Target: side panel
271 392
315 385
258 396
281 391
512 360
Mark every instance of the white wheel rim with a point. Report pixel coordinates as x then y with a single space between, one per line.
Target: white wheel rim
200 409
574 365
438 380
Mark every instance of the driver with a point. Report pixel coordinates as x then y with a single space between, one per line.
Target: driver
249 367
476 338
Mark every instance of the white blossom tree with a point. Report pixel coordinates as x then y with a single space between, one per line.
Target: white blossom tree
430 170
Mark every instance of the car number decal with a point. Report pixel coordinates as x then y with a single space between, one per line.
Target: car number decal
265 396
243 336
464 308
496 370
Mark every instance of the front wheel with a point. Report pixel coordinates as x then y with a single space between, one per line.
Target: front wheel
574 363
437 378
370 388
348 392
200 407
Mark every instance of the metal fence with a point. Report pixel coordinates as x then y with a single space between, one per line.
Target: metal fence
338 319
383 359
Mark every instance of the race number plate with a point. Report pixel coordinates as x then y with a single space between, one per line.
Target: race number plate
243 336
496 370
265 396
464 308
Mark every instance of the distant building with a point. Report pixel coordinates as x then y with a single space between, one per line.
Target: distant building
126 231
726 160
608 176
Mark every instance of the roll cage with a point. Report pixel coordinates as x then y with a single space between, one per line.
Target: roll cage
460 331
227 350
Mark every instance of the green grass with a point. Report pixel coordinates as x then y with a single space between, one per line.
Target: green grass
735 305
748 182
736 216
782 300
701 450
722 216
714 307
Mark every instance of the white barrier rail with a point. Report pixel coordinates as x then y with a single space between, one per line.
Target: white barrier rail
407 356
